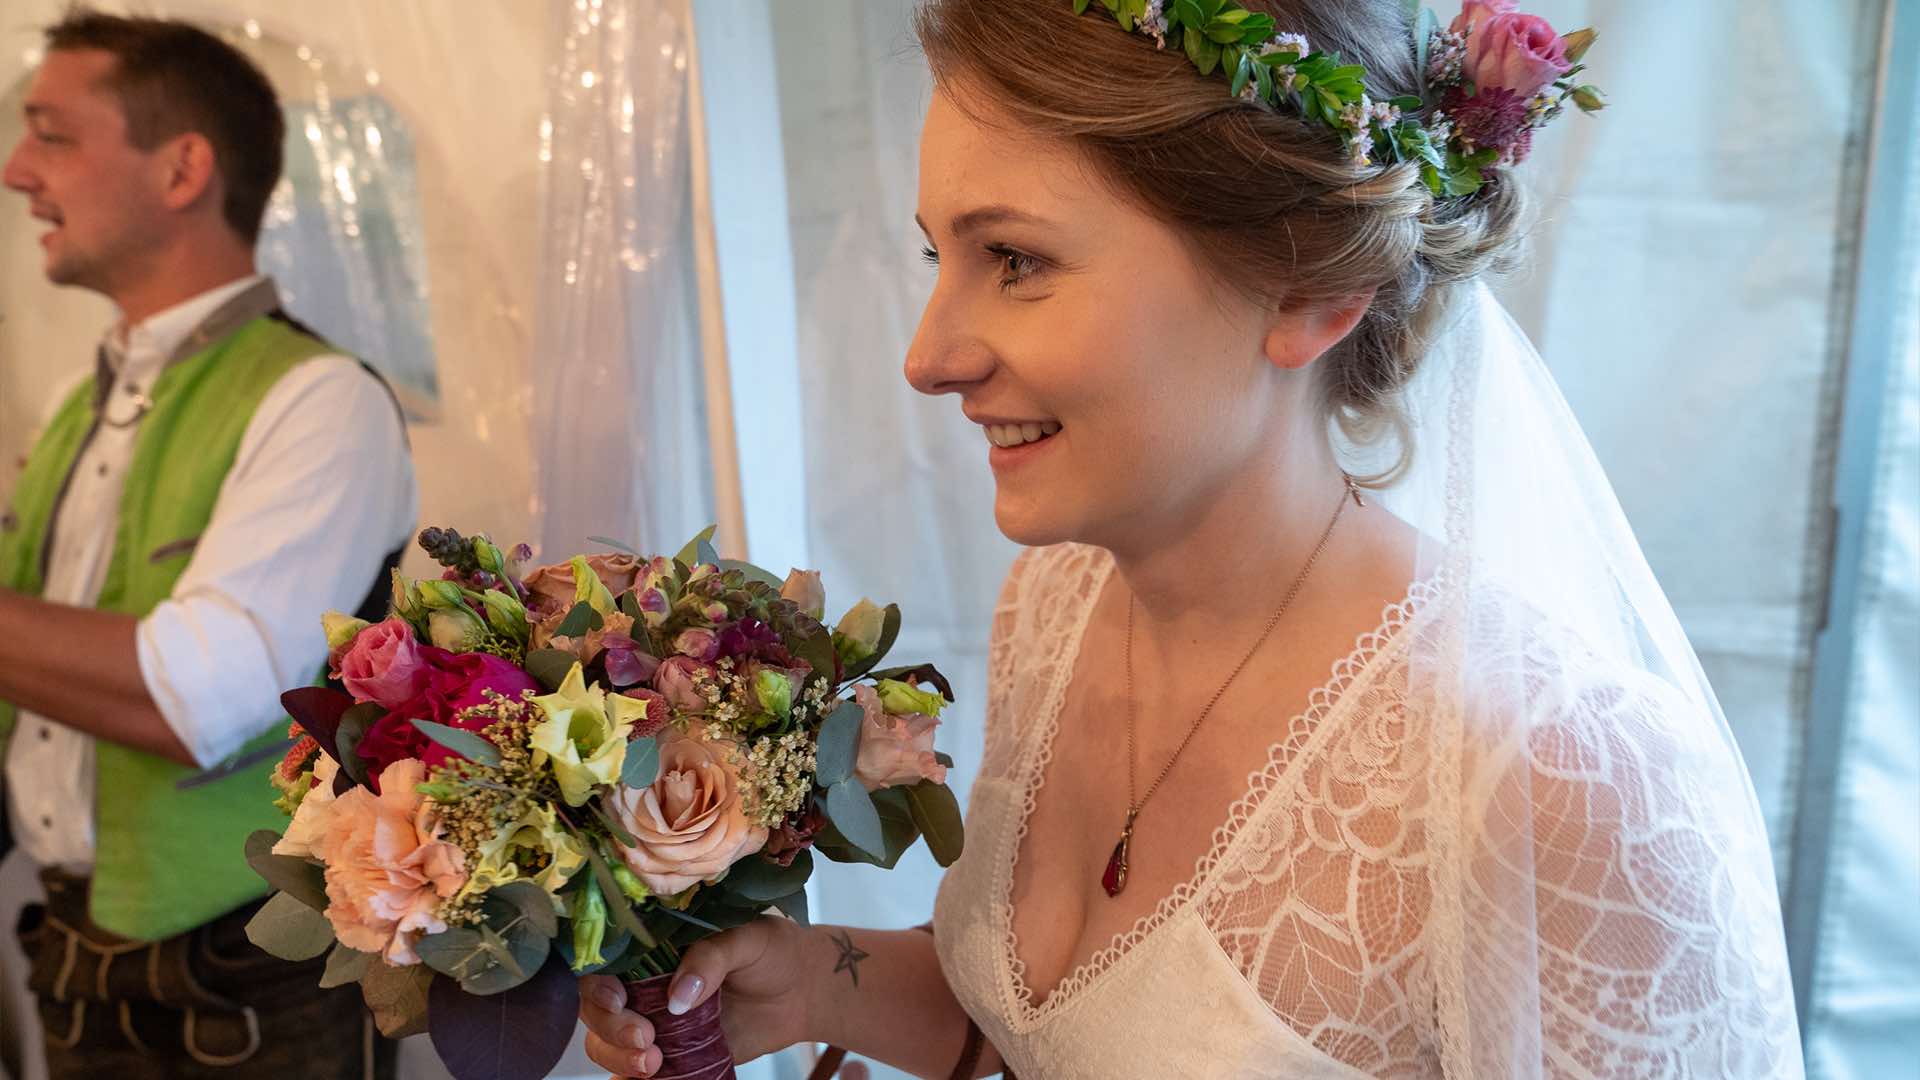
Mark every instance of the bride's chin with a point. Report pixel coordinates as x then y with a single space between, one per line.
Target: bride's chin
1030 522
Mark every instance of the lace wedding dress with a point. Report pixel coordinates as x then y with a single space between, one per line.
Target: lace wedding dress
1496 843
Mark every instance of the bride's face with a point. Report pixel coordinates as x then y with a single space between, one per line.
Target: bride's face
1117 385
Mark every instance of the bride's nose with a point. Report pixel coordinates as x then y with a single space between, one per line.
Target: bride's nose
945 358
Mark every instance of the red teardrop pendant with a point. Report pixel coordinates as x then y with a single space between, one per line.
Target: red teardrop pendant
1115 878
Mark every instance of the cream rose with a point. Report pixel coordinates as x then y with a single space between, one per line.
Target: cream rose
690 824
387 867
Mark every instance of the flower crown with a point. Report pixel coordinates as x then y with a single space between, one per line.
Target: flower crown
1487 81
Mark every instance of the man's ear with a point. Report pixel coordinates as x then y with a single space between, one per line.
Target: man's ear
187 171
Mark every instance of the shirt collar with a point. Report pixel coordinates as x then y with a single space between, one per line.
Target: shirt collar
139 353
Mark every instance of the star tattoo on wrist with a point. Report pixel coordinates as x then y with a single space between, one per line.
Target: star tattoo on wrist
850 955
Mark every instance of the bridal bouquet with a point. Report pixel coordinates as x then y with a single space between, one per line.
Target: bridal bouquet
583 768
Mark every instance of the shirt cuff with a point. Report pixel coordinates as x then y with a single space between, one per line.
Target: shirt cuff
209 674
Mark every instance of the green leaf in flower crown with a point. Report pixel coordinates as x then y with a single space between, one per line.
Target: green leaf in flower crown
1079 7
345 966
289 929
580 619
838 748
549 667
642 765
937 813
1242 69
298 878
763 881
851 810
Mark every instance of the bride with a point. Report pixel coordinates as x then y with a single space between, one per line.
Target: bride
1337 726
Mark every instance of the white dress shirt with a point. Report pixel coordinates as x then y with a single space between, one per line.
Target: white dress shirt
321 490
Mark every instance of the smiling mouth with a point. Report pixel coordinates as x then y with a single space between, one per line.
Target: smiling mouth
1007 436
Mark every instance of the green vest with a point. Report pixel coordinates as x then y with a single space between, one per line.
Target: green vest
166 859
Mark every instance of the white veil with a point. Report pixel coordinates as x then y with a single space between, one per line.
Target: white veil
1603 894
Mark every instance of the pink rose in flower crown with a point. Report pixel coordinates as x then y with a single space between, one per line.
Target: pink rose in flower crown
691 824
454 682
1480 12
895 747
1515 52
385 664
387 868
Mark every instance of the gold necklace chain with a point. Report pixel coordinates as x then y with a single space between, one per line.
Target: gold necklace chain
1115 877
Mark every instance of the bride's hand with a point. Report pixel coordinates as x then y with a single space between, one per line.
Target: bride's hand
758 965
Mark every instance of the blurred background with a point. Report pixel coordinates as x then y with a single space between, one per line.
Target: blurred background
639 265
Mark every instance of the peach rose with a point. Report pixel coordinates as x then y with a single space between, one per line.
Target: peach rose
387 867
894 748
691 824
588 645
553 586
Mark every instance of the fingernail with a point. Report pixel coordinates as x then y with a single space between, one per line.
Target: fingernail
637 1064
683 992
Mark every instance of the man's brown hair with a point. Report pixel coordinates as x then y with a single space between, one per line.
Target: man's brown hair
173 78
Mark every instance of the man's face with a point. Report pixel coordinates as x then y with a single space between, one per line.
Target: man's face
100 194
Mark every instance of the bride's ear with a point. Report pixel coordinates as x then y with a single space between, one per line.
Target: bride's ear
1299 335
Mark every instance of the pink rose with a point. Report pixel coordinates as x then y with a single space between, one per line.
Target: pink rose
894 749
387 867
384 665
690 825
1515 52
674 681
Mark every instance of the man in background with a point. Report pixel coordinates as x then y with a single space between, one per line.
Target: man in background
219 478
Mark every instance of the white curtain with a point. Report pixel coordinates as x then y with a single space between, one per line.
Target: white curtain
618 425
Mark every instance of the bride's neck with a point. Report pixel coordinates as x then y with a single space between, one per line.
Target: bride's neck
1227 558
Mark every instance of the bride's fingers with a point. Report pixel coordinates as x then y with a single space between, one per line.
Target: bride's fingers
618 1026
622 1060
706 964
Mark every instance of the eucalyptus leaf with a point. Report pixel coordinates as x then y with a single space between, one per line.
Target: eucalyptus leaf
794 906
896 827
642 765
345 965
465 743
531 902
289 929
298 878
753 573
851 810
838 749
616 545
763 881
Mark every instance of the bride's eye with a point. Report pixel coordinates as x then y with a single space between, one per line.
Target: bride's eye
931 256
1016 267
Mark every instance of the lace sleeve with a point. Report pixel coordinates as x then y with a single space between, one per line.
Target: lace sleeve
1618 917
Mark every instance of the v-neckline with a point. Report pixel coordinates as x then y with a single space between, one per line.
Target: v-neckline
1354 668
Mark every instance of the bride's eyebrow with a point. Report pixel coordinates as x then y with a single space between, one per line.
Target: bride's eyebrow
983 216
